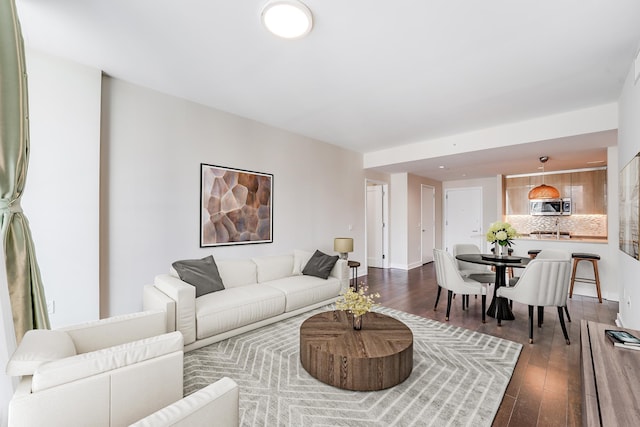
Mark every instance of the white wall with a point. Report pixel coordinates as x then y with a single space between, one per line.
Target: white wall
61 199
628 147
153 147
398 220
405 219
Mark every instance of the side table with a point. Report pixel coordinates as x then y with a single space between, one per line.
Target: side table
353 265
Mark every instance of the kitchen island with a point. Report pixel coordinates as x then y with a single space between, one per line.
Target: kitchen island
589 244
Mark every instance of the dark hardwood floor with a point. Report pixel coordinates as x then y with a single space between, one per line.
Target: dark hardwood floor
545 387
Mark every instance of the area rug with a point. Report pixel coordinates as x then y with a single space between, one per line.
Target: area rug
459 378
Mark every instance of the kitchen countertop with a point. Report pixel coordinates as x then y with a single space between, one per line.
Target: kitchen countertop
565 239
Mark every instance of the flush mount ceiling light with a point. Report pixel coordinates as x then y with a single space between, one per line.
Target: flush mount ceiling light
289 19
544 191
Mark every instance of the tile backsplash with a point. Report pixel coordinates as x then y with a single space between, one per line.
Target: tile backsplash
578 225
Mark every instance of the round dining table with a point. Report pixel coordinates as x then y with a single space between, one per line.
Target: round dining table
498 304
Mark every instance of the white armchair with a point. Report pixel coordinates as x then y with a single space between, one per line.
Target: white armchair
217 404
544 282
111 372
449 278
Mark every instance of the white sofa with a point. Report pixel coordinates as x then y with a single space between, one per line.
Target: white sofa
110 372
257 292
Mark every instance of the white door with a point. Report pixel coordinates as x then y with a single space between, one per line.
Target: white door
463 217
375 226
428 222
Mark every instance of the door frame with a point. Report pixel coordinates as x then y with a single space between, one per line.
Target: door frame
385 221
433 218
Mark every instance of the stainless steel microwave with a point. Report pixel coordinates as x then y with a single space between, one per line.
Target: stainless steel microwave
550 207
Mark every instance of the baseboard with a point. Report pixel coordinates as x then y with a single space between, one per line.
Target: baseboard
406 266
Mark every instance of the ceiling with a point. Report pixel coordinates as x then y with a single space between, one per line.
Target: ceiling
371 74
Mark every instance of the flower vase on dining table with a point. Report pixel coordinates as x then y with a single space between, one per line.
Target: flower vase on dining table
501 250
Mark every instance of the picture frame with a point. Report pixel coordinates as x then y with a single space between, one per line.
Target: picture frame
236 206
629 209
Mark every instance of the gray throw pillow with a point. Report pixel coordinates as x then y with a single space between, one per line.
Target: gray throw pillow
201 273
320 265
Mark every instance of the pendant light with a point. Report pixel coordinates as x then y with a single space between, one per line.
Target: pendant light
544 191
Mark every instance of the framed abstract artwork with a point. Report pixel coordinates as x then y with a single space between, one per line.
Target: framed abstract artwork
236 206
630 207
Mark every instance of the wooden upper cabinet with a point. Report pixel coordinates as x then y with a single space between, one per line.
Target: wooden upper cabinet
517 190
589 192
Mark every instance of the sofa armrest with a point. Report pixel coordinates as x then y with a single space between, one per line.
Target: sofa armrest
154 299
104 333
341 272
185 297
218 401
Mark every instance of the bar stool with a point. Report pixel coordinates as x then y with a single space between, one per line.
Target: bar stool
593 259
533 253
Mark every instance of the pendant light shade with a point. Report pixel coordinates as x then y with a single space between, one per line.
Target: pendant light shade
544 191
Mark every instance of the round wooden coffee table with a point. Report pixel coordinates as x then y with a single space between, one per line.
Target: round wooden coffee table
377 357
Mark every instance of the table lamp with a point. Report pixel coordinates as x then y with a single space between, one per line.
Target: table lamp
343 245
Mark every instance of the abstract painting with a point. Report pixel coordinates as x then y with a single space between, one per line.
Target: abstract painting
236 206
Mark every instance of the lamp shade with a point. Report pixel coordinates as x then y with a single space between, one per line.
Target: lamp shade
544 192
343 244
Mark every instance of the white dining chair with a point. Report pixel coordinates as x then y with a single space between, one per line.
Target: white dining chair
449 278
544 282
467 268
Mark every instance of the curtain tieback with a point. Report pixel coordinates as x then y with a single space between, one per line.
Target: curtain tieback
12 206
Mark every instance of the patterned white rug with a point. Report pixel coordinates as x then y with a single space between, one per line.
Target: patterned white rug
459 378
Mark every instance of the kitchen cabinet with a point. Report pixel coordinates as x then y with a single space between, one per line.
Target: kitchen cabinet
589 192
517 190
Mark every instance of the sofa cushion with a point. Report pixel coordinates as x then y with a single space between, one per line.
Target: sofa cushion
300 259
223 311
301 291
237 272
39 346
201 273
320 265
273 267
88 364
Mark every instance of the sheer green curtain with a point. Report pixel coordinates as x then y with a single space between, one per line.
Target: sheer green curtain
26 293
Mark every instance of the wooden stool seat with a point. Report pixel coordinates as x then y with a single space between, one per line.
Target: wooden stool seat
593 259
533 253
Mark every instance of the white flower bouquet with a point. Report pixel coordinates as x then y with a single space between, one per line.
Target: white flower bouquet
501 233
357 302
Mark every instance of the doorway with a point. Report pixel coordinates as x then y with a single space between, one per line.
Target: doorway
377 237
463 217
428 222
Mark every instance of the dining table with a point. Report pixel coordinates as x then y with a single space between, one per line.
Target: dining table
500 263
